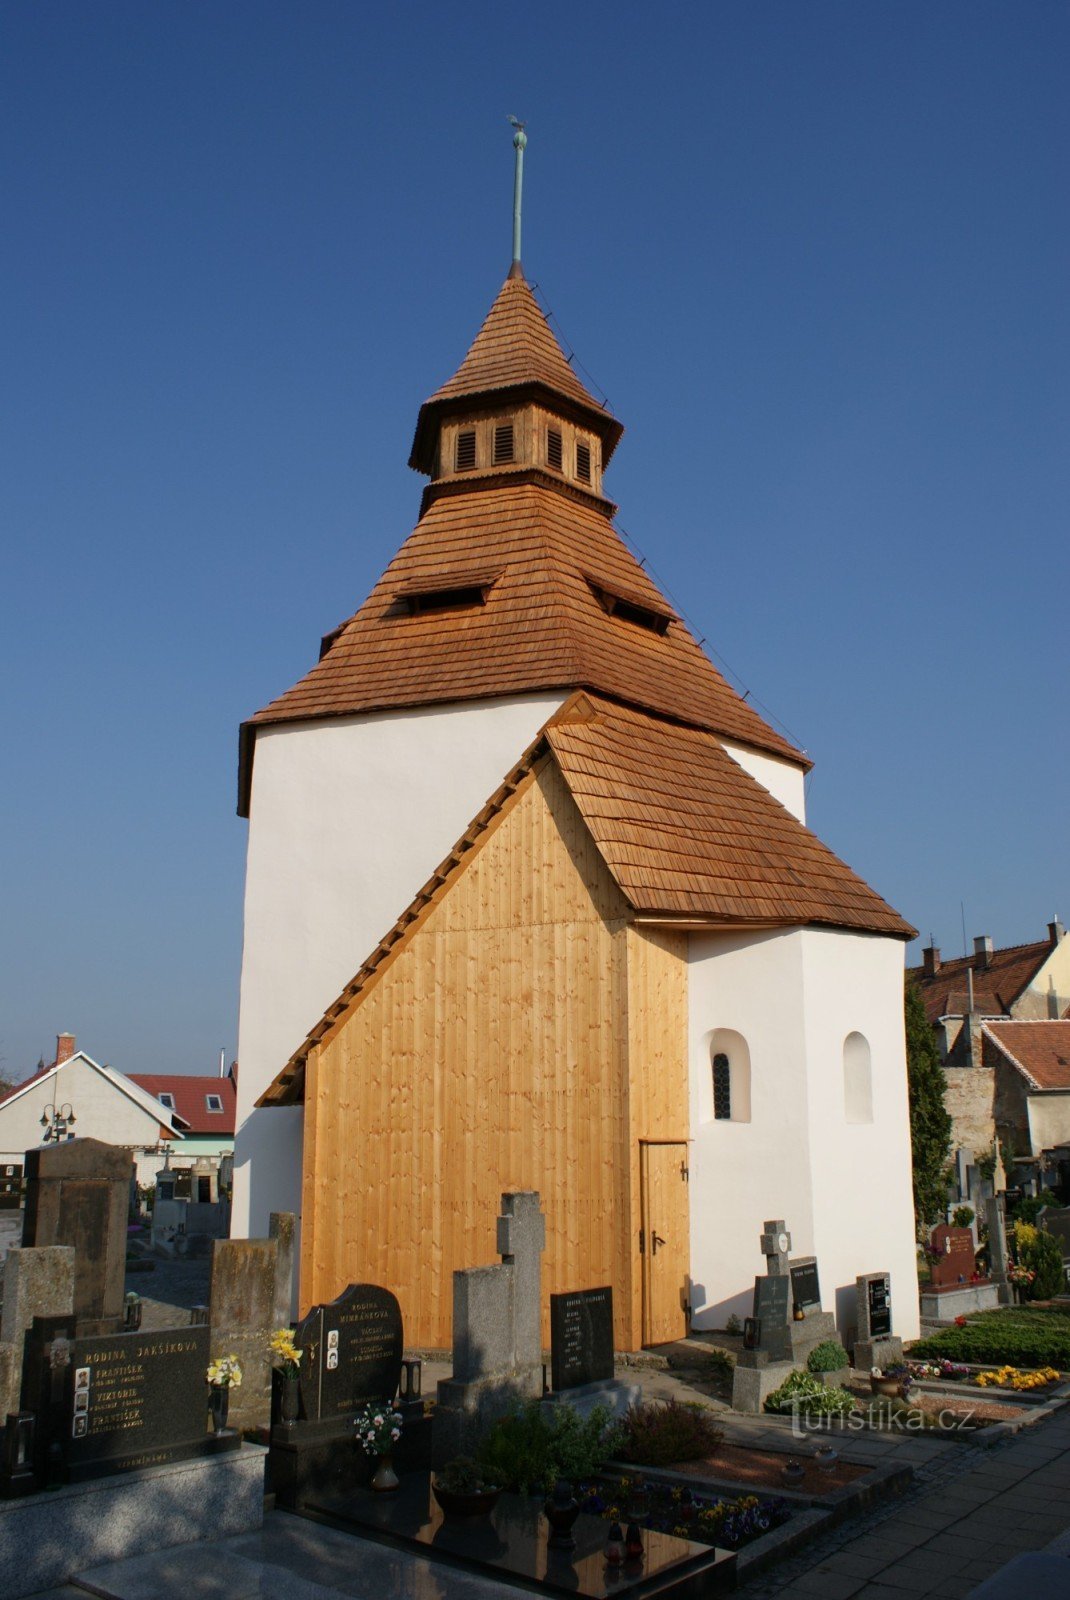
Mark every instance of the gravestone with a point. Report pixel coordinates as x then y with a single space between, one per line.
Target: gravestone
497 1344
805 1284
875 1343
37 1283
249 1297
77 1194
353 1349
777 1340
581 1337
10 1185
998 1254
137 1400
955 1263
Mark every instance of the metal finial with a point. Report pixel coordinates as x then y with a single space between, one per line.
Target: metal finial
520 139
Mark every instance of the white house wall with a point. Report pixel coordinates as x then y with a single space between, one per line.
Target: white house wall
863 1197
745 1172
101 1111
843 1187
1049 1120
349 818
785 781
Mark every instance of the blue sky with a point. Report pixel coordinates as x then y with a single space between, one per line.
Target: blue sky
815 255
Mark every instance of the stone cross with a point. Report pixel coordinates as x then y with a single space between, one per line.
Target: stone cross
998 1258
776 1247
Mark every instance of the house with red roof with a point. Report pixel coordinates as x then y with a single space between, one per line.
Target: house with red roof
1015 983
531 903
202 1106
1030 1067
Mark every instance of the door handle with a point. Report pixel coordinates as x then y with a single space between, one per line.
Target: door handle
655 1240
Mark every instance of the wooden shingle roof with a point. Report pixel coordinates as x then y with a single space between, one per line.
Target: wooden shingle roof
514 349
545 562
687 833
684 831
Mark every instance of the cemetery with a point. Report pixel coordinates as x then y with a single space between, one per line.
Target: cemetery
543 1469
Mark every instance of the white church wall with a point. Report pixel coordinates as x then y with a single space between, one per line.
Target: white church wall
756 1165
863 1213
349 818
785 781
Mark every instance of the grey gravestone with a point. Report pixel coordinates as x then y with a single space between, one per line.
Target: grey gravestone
37 1283
77 1194
249 1298
772 1312
998 1254
805 1284
875 1343
581 1337
353 1349
497 1344
137 1400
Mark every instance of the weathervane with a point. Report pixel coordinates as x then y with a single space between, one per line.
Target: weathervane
520 139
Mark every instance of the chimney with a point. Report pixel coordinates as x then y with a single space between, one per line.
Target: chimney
930 961
982 952
64 1048
1055 932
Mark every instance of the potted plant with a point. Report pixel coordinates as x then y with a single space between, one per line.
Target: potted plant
463 1490
287 1360
378 1431
223 1375
892 1381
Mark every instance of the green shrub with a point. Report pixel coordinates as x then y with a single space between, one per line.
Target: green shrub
828 1356
1043 1256
962 1216
1030 1204
524 1451
810 1396
1025 1336
463 1476
659 1434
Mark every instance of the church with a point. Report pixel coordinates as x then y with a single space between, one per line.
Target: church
531 903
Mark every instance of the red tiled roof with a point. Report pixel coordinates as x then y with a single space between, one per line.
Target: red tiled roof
190 1100
17 1088
1040 1050
995 987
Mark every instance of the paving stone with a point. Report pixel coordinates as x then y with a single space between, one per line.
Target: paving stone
826 1585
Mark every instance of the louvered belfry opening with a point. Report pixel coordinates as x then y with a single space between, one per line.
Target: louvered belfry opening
583 462
503 443
466 450
554 454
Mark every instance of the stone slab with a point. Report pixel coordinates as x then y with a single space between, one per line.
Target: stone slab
613 1393
37 1283
954 1303
309 1459
290 1558
751 1384
78 1194
49 1539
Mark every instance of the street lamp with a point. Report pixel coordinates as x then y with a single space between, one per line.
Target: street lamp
56 1123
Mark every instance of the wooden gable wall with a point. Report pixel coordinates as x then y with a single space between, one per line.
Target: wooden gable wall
524 1037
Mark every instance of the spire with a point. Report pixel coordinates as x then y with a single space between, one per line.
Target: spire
520 140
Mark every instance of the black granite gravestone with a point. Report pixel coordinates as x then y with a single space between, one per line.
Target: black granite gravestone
772 1310
352 1352
581 1337
879 1291
137 1400
805 1287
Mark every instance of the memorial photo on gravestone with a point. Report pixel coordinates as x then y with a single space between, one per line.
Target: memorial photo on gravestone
581 1337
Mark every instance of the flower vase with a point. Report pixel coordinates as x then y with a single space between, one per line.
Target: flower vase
289 1399
384 1478
218 1406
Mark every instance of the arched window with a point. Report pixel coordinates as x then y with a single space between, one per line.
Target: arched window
726 1095
857 1079
722 1088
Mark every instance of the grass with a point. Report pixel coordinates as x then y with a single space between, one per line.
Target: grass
1021 1336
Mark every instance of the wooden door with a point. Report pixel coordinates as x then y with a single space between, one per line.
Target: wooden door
665 1244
